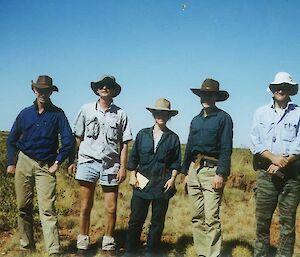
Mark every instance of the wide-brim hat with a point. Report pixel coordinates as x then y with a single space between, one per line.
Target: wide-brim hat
211 85
108 81
164 105
44 82
284 79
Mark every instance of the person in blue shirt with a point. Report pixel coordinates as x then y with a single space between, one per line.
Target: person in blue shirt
155 156
275 143
206 165
34 157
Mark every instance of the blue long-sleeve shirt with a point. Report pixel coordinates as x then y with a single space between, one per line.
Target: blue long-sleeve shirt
156 165
211 136
37 135
277 133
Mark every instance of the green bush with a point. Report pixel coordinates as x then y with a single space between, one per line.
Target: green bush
8 208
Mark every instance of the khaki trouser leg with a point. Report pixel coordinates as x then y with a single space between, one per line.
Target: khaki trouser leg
28 173
46 194
24 183
206 206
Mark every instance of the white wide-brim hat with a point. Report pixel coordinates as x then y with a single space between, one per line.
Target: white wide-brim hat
284 78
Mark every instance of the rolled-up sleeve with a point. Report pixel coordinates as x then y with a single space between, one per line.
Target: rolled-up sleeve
127 135
79 123
176 161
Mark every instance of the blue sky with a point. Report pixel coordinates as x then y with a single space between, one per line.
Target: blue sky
154 48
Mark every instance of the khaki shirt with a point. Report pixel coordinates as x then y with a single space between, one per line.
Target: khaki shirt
101 133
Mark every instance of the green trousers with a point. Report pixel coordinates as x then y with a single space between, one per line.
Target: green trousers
206 207
30 174
271 192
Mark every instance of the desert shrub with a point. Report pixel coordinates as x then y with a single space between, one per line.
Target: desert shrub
8 208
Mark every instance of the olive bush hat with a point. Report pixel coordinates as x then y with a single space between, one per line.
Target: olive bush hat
44 82
211 85
162 104
284 79
108 81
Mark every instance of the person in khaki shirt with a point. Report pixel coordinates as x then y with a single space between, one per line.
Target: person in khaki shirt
102 134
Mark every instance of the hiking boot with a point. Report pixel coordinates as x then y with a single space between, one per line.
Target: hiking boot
83 242
108 243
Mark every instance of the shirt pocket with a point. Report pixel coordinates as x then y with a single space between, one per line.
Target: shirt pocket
112 130
92 128
289 131
267 129
209 137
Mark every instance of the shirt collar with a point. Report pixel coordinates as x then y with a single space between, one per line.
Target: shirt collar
98 107
213 113
149 130
48 106
290 105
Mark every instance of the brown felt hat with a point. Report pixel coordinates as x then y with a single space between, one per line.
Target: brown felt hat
211 85
44 82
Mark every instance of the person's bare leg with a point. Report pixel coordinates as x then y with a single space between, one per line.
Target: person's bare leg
86 203
110 203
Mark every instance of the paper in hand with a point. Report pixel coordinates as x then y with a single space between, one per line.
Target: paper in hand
143 181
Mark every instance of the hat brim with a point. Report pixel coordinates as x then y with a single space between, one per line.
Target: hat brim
115 86
292 88
35 85
222 95
171 112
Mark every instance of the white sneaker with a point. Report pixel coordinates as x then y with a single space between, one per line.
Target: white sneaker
83 242
108 243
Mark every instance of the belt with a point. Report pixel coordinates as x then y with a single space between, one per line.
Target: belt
202 160
209 164
43 163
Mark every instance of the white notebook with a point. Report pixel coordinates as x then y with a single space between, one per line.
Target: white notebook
143 181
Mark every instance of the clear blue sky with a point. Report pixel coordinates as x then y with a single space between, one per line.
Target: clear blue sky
154 48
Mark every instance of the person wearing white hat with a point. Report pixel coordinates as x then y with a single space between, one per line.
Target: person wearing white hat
275 143
156 157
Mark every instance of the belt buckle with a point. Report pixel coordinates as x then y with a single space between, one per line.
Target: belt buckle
208 164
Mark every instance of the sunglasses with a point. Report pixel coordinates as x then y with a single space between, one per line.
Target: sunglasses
106 86
276 88
44 91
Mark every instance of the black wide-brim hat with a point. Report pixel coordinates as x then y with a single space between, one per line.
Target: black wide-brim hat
44 82
108 81
211 85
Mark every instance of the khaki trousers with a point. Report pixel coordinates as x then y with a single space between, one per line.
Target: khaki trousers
205 206
30 174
